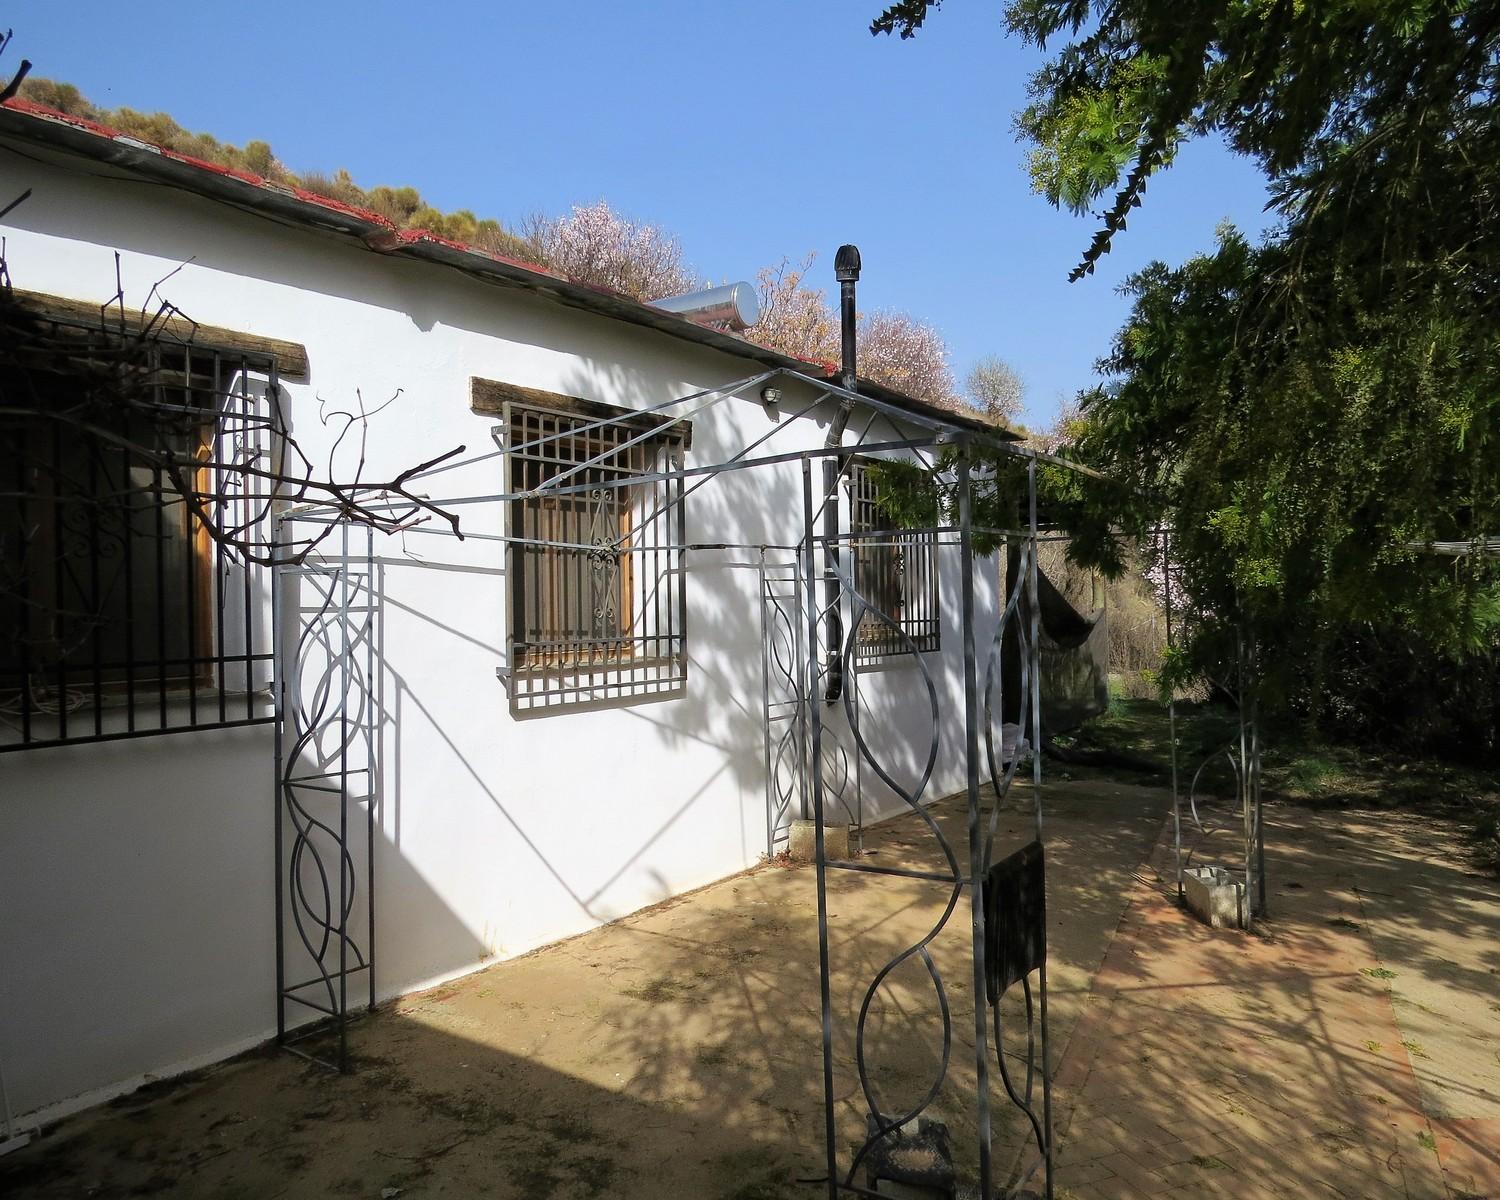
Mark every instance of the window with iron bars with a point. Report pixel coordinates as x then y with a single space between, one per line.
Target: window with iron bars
119 615
895 570
594 577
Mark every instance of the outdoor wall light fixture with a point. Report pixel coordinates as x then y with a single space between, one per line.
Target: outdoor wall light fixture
771 397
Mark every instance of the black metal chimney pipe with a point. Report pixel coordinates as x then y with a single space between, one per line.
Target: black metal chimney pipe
846 270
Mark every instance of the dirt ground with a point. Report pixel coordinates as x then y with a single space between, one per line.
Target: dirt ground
673 1053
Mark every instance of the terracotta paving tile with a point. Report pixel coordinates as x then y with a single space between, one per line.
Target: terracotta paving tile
1112 1189
1090 1150
1197 1170
1130 1168
1211 1185
1202 1145
1469 1152
1102 1129
1213 1064
1072 1175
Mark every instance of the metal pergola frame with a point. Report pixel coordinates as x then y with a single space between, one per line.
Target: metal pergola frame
993 756
325 916
991 768
325 614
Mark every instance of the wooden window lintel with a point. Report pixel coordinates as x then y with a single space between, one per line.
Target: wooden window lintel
488 397
290 357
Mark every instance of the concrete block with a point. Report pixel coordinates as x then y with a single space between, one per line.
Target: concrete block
802 843
1215 896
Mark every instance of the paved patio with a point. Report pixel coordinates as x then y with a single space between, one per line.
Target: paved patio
673 1053
1352 1049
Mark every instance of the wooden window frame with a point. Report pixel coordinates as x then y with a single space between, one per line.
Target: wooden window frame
167 637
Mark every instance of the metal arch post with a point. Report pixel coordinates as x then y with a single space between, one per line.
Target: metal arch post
765 706
782 670
1166 574
279 710
1034 653
341 707
976 832
370 712
1247 809
345 883
1255 753
851 681
1033 650
812 705
801 590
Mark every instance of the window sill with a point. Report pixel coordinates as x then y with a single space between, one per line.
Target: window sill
894 658
115 712
546 670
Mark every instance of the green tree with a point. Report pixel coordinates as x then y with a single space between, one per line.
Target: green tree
1305 414
1342 102
1303 466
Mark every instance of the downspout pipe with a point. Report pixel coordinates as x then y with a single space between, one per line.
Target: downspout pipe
846 267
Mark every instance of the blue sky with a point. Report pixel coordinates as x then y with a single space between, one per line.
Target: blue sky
752 129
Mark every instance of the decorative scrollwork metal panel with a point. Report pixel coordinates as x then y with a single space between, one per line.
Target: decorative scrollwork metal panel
1211 810
787 754
921 1123
327 785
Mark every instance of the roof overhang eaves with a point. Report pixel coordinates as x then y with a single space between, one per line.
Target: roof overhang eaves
32 123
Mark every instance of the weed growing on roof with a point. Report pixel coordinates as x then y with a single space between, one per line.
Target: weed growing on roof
403 207
590 244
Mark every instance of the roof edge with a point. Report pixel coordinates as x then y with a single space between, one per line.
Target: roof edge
35 123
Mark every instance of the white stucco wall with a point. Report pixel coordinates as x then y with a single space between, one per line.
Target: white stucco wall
136 878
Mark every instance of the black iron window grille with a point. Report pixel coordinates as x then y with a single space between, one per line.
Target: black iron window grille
895 570
594 575
120 615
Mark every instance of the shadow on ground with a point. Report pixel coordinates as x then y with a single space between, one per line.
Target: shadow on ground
676 1052
1215 1063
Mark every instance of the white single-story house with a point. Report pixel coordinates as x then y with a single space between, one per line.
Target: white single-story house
556 736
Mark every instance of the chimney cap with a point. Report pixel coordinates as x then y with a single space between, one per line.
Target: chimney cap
846 264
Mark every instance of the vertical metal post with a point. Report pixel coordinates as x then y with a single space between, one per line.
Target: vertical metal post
344 881
801 585
281 712
766 626
224 431
1033 653
976 833
1246 802
1255 752
372 734
1166 574
247 583
811 704
859 776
